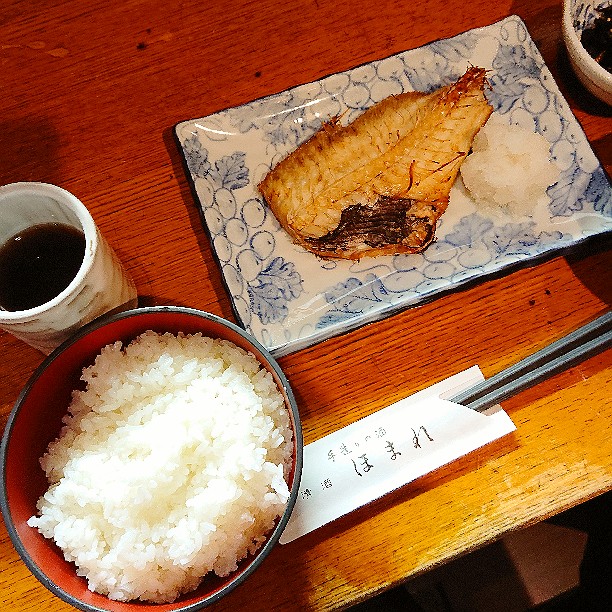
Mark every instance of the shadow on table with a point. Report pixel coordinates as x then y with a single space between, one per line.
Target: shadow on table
591 262
488 579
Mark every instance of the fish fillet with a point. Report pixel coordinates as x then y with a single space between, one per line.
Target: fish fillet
379 184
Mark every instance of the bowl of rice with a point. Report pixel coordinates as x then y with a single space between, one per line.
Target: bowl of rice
151 462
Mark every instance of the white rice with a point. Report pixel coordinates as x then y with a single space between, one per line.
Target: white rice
171 464
509 168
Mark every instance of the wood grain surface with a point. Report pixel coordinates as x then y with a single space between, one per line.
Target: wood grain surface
90 94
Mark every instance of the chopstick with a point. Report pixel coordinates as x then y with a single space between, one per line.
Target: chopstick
561 354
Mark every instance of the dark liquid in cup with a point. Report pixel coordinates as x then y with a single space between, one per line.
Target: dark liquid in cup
38 263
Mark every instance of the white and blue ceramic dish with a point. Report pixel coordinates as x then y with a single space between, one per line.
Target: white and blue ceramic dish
287 297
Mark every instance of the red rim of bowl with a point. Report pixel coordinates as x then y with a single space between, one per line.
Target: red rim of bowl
78 351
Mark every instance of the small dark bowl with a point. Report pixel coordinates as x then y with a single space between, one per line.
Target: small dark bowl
36 420
579 15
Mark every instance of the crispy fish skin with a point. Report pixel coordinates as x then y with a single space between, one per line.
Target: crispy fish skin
379 185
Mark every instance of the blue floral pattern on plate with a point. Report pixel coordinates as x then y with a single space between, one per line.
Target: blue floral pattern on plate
287 297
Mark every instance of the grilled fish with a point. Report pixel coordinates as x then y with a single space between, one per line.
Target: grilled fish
379 184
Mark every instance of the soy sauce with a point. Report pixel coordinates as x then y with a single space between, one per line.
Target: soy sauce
597 38
38 263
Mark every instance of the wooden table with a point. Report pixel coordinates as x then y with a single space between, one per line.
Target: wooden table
90 94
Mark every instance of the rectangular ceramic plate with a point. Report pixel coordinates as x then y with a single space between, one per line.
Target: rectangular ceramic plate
287 297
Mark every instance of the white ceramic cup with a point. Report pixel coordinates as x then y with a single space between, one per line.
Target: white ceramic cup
100 285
